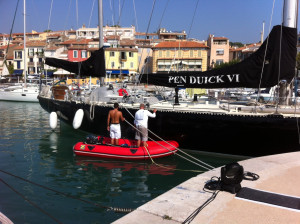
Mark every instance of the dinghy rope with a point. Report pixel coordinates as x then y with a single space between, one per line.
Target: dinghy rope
165 167
205 165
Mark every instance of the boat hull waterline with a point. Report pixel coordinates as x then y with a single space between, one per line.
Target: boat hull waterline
126 149
245 135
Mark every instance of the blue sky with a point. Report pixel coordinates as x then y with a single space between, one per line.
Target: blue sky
238 20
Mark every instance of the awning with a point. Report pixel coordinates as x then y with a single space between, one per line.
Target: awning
62 72
48 73
116 72
18 72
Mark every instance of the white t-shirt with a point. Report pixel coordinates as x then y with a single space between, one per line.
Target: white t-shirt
141 117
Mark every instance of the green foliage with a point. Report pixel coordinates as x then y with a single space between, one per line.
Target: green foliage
46 31
11 69
298 61
226 64
236 44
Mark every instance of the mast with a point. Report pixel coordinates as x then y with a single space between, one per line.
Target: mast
25 64
290 18
100 18
290 13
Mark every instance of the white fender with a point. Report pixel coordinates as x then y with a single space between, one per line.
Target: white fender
78 119
53 120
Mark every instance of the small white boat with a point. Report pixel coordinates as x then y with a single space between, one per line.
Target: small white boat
20 93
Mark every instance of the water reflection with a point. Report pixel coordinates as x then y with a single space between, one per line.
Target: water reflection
31 150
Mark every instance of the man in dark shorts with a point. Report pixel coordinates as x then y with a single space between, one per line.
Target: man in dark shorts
113 124
141 124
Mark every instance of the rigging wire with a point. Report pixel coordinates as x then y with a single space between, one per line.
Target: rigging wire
91 13
193 18
68 14
147 31
50 14
136 20
160 22
263 65
10 33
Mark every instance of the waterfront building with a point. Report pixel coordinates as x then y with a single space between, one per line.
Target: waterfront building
219 50
179 56
244 52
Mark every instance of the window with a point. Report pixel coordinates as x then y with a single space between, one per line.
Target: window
112 64
40 52
30 52
180 53
199 53
18 54
191 53
220 52
30 59
83 54
75 54
160 54
219 61
131 64
111 54
168 54
123 55
18 64
131 54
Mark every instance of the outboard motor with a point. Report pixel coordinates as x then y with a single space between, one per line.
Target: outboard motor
92 139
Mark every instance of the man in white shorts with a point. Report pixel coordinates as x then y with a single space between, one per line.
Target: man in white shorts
113 124
141 124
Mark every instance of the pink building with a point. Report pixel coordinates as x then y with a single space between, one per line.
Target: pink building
219 50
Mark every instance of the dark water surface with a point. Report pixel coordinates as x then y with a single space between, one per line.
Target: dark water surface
31 150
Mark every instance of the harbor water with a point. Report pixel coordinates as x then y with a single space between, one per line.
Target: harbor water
42 181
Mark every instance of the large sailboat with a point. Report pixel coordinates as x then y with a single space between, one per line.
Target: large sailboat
218 128
22 92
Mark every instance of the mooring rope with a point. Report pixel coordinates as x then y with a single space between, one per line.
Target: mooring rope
165 167
180 150
29 201
170 150
115 209
92 111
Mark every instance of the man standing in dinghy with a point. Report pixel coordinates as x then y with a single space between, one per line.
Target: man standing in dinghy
113 124
141 124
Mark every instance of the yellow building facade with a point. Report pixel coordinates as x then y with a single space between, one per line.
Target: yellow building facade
179 56
121 61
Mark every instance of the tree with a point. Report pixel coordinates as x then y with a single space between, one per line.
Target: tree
11 69
47 31
236 44
226 64
298 61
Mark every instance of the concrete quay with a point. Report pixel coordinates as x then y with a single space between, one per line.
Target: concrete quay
278 173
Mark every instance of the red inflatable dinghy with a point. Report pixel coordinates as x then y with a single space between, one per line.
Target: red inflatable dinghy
99 146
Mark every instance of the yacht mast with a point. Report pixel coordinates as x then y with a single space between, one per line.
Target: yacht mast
290 17
290 13
100 18
25 64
